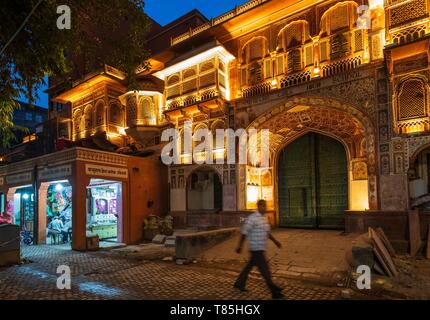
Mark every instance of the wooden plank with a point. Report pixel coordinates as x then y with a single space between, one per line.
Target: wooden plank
428 244
414 232
386 241
382 254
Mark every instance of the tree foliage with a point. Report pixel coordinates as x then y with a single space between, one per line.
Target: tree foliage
102 32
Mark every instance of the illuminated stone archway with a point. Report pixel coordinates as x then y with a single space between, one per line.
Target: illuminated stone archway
299 116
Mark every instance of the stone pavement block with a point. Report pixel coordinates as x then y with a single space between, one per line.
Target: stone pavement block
159 239
302 269
170 241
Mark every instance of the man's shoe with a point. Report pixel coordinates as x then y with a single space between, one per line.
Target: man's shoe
243 289
277 295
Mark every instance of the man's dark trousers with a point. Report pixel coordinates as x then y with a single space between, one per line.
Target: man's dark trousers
258 259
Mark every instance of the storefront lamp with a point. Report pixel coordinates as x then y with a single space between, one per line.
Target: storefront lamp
59 187
25 196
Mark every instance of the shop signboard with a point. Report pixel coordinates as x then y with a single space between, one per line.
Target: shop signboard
20 178
103 171
55 173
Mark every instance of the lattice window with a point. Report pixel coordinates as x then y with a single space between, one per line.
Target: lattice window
173 91
131 110
359 40
412 100
206 66
190 85
294 59
207 80
255 73
339 18
407 12
339 46
309 59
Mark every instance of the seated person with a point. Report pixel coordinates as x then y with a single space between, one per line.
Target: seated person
67 231
55 227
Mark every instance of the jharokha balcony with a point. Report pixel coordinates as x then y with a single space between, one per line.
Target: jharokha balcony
195 82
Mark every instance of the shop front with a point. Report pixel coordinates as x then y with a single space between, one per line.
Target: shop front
70 195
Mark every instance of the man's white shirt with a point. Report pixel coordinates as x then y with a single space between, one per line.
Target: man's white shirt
256 229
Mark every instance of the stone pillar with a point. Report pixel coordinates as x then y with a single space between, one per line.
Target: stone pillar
79 207
41 212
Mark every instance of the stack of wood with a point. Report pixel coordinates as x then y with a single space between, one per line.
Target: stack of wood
384 253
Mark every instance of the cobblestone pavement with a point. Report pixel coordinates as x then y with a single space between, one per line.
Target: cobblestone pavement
103 275
316 255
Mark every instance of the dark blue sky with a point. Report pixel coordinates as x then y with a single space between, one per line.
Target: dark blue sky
164 11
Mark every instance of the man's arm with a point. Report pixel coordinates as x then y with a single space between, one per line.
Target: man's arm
241 241
276 242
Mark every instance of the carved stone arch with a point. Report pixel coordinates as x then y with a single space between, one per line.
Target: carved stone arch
88 118
100 111
343 122
77 116
173 79
146 109
214 168
296 29
341 15
252 50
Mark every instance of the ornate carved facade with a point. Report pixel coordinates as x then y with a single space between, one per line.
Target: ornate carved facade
355 71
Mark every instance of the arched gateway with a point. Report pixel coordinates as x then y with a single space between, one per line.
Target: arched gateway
322 162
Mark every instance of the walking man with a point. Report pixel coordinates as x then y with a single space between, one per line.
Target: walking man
257 230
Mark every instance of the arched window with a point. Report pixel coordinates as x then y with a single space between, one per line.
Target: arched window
146 110
293 35
412 99
115 114
335 32
255 49
88 117
100 113
77 116
173 80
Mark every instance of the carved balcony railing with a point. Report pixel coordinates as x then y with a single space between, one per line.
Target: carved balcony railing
216 21
341 66
256 90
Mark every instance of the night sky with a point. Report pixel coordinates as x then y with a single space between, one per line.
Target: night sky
165 11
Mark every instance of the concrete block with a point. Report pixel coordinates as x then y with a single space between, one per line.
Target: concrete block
10 245
159 239
191 245
170 242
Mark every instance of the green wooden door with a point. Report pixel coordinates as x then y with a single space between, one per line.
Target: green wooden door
312 183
